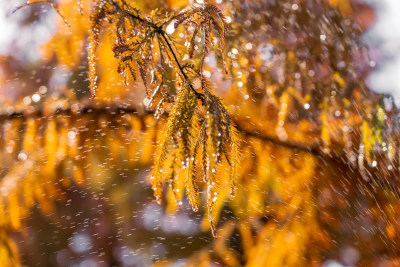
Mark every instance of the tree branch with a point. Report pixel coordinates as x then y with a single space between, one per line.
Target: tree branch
115 110
159 29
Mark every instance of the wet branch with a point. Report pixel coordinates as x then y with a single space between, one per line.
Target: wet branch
161 32
113 110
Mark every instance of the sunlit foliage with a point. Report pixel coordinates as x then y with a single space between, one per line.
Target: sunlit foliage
256 109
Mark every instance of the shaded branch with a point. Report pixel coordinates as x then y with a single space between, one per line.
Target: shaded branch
115 110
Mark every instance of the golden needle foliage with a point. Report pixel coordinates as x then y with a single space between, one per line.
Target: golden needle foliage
135 38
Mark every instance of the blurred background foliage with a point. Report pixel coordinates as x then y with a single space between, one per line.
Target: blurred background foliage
318 178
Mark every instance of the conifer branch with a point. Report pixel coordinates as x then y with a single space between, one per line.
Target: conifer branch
198 95
115 110
159 29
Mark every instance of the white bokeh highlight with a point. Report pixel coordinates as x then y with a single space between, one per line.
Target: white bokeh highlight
385 35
